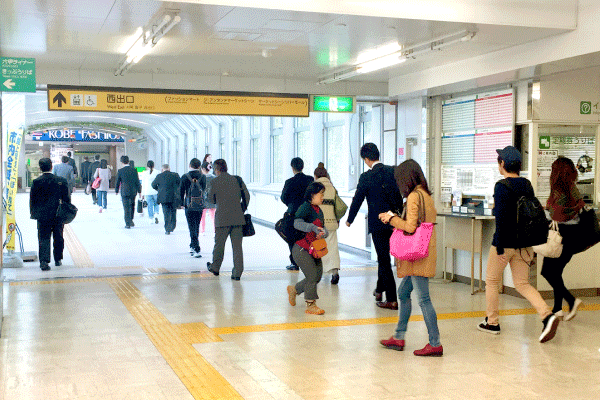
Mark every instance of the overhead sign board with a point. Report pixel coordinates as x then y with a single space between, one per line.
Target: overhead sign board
74 135
101 99
17 74
333 104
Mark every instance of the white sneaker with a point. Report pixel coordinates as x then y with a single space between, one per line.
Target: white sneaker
573 311
197 255
560 315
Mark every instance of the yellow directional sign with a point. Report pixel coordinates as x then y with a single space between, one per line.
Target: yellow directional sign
102 99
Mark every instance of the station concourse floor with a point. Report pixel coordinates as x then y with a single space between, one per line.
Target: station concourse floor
130 315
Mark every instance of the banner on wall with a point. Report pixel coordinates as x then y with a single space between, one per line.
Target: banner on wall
13 147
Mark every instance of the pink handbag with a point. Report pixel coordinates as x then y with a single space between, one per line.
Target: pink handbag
413 246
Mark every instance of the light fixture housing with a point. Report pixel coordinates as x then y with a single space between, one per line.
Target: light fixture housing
389 55
147 38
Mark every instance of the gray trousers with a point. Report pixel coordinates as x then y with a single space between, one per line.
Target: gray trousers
312 268
221 234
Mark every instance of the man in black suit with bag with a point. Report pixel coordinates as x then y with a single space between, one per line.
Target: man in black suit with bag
46 192
167 185
128 182
381 191
293 197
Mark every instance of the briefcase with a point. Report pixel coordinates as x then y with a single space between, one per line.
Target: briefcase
248 228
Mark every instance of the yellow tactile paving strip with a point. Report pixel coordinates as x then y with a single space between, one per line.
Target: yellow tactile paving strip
80 257
175 344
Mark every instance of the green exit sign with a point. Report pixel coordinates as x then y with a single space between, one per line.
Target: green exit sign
333 104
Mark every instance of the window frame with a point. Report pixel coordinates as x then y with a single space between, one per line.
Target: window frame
275 132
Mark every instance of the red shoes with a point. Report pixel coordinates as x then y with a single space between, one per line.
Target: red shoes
430 351
393 343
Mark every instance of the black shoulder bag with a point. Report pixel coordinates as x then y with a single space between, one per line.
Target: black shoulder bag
248 228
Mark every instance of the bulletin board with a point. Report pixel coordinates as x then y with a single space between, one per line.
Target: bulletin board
473 127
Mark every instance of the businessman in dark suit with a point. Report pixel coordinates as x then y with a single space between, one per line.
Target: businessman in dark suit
379 187
128 182
72 163
293 196
167 185
46 192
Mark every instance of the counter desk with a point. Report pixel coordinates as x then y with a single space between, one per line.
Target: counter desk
464 232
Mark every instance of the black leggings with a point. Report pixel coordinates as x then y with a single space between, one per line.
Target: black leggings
552 270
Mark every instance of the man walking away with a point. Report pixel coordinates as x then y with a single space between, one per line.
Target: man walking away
209 208
379 187
166 184
85 171
192 193
64 170
226 192
293 196
93 167
128 182
47 191
72 163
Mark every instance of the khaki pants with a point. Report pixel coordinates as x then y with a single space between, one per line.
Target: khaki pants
519 260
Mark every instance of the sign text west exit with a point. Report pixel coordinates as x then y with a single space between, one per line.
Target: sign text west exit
17 74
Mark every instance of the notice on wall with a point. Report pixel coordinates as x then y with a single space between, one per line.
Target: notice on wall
477 179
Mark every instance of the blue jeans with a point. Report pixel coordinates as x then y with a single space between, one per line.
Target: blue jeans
101 198
152 205
429 315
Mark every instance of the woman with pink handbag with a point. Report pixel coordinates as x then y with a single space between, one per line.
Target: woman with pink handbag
419 264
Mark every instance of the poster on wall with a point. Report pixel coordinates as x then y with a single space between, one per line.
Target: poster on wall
471 179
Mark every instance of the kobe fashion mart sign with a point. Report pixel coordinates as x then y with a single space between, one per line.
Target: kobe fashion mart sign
74 135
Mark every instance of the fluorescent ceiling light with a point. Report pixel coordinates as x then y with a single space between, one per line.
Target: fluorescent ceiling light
378 52
125 47
380 63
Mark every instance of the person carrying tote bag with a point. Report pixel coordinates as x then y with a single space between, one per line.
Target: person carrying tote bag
565 207
415 274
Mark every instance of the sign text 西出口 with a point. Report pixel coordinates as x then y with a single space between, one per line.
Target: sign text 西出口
71 98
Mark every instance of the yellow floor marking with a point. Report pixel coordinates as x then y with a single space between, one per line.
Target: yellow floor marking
174 342
80 257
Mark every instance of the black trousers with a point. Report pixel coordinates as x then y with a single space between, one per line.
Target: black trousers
170 213
128 209
94 196
385 277
46 230
193 220
552 268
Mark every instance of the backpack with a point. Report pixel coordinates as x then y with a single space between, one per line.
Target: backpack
195 198
532 225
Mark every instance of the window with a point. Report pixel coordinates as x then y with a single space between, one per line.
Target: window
255 150
237 146
206 141
366 130
303 140
336 151
276 150
222 141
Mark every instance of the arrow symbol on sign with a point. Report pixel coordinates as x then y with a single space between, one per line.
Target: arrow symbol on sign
60 99
9 84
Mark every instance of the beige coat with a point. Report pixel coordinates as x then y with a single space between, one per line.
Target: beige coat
426 266
331 222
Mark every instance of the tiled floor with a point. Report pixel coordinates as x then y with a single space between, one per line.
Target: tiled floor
193 335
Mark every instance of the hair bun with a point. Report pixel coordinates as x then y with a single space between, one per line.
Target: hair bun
321 165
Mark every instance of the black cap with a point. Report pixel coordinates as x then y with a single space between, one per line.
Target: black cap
509 155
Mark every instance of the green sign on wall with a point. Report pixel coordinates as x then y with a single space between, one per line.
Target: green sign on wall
333 104
17 74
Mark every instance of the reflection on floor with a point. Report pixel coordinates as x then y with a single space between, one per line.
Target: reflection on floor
197 336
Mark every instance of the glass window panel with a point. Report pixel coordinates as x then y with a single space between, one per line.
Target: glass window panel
237 157
221 150
304 146
255 170
255 126
336 117
276 123
336 153
302 122
276 159
237 128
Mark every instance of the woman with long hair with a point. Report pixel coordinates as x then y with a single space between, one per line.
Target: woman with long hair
414 274
104 173
310 220
208 159
331 261
563 206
